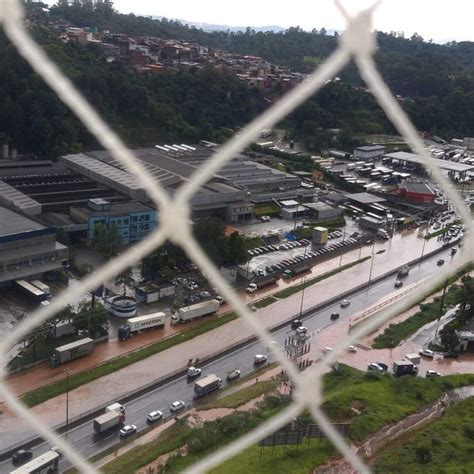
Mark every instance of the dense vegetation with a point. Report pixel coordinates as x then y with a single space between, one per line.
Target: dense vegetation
437 79
437 82
144 110
444 445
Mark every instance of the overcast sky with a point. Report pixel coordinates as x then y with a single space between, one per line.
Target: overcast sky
440 20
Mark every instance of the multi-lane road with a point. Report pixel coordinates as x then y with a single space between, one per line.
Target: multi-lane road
88 443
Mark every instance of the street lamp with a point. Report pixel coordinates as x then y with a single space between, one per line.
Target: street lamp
67 401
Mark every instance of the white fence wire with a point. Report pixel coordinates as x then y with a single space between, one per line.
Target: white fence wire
358 42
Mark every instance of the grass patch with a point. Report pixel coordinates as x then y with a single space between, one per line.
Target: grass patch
438 232
382 399
253 242
267 301
292 459
396 333
236 399
172 438
445 445
295 289
266 210
40 395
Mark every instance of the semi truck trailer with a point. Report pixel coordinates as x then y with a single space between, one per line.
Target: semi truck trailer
107 421
140 323
194 311
207 385
72 351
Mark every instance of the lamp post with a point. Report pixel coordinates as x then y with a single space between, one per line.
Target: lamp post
67 401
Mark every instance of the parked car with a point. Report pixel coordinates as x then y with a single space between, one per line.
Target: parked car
432 373
398 283
177 405
427 353
234 375
345 303
440 262
326 350
252 288
21 456
127 431
383 366
373 366
351 349
154 416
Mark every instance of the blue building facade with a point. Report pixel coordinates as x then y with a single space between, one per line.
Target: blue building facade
133 220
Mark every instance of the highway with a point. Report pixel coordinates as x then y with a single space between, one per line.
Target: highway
83 438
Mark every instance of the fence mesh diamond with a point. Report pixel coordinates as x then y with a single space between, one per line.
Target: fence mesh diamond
358 43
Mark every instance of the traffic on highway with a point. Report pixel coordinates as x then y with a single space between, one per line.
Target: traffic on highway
159 401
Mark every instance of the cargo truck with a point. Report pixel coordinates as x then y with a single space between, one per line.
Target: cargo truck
194 311
140 323
72 351
404 367
207 385
107 421
414 358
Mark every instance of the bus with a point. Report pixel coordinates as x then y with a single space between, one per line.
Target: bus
43 287
30 291
43 464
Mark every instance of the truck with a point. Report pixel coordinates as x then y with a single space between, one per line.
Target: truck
72 351
207 385
404 367
261 282
107 421
187 313
118 407
154 320
414 358
151 292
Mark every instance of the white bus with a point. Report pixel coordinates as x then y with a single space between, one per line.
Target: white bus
44 464
30 291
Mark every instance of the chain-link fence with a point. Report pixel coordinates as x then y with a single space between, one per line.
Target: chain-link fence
358 43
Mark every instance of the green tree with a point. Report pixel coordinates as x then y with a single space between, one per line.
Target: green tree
107 240
125 278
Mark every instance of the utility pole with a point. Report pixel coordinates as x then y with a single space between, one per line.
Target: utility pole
67 401
441 305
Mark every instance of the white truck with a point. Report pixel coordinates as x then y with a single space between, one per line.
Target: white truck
194 311
207 385
139 323
72 351
107 421
413 358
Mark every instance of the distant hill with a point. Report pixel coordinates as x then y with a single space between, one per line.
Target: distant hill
210 27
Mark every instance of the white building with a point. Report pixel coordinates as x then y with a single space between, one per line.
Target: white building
369 152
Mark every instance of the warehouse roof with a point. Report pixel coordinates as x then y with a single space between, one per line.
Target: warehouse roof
14 223
365 198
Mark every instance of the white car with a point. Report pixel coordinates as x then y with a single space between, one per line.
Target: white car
252 288
177 405
127 430
351 348
260 359
154 416
327 349
432 373
374 367
234 375
345 303
427 353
